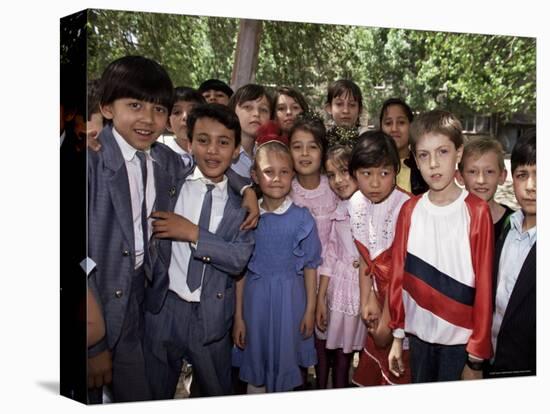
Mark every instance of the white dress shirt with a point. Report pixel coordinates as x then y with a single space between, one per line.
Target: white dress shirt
174 146
516 247
136 191
189 205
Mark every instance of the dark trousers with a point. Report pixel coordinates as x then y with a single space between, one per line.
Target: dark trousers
434 362
175 333
129 380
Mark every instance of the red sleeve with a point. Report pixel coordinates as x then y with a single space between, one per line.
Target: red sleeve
482 247
399 253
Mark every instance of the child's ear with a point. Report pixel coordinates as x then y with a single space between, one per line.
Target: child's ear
106 111
328 108
459 151
459 178
502 176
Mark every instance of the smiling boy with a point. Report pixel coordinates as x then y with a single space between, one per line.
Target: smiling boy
481 171
191 302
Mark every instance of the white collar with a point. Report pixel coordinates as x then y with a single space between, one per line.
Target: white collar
128 152
199 176
279 210
516 223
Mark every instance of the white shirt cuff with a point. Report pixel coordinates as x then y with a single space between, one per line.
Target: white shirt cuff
398 333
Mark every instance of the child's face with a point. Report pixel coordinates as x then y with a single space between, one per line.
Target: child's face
213 146
339 179
306 153
482 175
273 173
525 188
252 114
286 111
214 96
178 120
376 183
396 124
344 110
139 122
436 157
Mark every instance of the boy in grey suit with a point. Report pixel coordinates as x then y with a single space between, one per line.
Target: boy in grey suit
128 177
190 305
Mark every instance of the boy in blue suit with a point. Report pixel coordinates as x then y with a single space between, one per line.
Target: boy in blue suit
128 176
191 303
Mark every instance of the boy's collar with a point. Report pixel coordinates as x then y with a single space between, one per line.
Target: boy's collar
516 222
198 175
128 152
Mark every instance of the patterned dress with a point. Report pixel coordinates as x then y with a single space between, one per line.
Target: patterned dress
345 329
373 230
321 202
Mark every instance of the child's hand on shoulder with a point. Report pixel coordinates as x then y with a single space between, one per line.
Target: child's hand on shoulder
91 140
173 226
250 203
307 325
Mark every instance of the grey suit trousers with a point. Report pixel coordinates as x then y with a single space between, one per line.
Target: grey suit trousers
175 333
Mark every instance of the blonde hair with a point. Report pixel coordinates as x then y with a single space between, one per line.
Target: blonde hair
272 146
480 146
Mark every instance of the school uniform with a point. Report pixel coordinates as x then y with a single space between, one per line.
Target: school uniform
514 296
118 251
195 324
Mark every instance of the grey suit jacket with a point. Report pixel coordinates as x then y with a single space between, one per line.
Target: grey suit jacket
110 228
225 254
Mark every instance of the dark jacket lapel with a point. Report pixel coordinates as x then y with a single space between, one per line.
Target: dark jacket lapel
525 283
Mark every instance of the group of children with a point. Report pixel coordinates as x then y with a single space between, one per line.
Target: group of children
371 248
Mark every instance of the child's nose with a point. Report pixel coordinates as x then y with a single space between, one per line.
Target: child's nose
434 162
532 183
480 177
147 114
212 148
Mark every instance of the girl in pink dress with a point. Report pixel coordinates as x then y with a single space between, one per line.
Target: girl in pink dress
338 313
374 210
310 189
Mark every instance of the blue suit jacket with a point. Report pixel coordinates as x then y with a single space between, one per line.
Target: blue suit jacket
225 254
110 228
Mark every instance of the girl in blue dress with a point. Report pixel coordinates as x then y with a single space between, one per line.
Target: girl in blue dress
275 301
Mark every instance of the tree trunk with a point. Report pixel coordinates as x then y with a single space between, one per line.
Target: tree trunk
246 54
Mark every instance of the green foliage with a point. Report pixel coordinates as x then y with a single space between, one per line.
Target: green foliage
466 73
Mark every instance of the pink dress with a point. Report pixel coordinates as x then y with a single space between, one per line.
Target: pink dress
321 203
345 329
